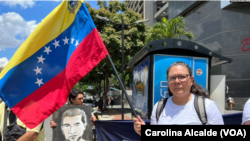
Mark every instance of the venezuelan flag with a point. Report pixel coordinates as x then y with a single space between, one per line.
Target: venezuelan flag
63 48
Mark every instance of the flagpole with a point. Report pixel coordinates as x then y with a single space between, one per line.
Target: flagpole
123 88
123 68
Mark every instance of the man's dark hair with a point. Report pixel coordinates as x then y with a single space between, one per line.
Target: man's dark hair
195 88
73 94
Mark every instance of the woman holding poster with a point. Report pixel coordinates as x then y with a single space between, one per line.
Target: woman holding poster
75 98
182 91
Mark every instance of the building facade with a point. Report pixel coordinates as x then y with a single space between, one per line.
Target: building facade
152 10
224 28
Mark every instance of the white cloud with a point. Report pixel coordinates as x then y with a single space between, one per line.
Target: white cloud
3 62
23 3
14 29
57 0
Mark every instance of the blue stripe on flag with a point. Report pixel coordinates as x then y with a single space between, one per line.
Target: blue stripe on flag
20 81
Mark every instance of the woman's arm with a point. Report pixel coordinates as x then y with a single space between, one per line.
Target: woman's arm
137 125
247 122
28 136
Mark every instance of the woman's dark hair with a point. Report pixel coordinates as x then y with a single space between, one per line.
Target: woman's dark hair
196 89
74 93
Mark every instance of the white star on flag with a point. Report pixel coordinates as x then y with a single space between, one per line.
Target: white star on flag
77 43
56 44
72 40
66 41
40 59
47 49
39 81
72 4
38 70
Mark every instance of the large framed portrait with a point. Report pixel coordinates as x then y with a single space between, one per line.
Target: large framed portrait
73 123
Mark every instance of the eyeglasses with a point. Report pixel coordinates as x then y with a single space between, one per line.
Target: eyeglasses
181 77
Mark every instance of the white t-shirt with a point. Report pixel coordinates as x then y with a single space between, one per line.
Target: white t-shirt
246 112
186 114
230 99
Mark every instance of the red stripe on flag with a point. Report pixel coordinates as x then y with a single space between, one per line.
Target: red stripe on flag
51 96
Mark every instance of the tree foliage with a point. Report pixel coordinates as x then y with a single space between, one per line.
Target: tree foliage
169 29
134 40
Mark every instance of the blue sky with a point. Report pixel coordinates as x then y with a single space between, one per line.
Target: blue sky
18 19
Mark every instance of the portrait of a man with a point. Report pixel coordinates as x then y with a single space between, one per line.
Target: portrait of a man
74 124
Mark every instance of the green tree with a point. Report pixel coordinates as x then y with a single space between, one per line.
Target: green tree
134 39
91 79
79 86
169 29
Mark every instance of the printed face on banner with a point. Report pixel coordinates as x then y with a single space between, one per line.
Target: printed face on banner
72 123
73 127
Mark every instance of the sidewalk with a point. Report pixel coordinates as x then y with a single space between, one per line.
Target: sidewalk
231 112
115 113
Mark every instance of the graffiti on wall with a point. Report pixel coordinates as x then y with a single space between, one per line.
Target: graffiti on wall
245 43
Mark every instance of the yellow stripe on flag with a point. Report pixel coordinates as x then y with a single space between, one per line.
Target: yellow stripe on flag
50 28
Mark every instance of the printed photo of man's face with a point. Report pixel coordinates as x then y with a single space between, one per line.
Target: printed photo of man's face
73 124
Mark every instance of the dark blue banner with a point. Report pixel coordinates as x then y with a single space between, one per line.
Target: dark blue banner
116 130
123 130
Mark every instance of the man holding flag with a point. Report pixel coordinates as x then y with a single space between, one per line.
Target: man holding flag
63 48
